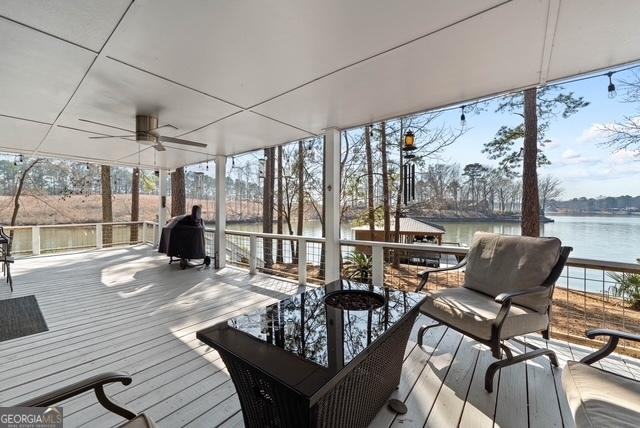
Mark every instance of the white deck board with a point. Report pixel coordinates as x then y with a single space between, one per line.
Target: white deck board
127 310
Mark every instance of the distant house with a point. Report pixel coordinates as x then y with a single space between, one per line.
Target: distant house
411 231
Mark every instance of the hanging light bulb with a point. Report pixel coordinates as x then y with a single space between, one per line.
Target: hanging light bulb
463 118
207 165
611 89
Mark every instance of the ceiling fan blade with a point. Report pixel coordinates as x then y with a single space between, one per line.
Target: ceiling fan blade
112 136
108 126
180 141
168 125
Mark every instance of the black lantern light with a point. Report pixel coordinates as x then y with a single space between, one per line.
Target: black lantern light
409 140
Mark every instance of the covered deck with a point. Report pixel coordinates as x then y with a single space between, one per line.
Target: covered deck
128 310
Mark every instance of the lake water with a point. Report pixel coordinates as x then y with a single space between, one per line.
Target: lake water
604 238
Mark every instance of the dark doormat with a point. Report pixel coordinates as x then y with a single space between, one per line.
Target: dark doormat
20 317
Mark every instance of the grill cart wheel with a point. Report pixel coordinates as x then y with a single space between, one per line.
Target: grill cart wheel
207 261
183 263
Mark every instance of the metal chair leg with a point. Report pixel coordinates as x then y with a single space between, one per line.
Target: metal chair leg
9 278
423 329
506 350
494 367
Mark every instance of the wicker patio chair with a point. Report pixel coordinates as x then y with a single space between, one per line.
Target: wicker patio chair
507 292
96 383
599 398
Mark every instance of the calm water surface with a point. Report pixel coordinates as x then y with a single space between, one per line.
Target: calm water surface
603 238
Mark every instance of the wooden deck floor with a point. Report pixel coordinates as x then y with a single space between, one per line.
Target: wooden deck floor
126 309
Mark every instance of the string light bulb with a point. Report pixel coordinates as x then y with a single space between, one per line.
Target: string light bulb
463 118
611 89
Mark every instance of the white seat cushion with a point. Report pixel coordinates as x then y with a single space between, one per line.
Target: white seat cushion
601 399
473 312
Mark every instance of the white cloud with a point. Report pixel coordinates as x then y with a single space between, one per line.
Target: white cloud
570 154
572 157
593 134
551 144
621 157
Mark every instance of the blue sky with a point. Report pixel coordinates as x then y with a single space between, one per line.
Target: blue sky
585 167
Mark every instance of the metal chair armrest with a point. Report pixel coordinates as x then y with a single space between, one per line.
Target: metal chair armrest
96 383
425 275
503 297
593 333
610 346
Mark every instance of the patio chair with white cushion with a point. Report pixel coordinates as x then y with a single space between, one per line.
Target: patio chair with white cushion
96 383
599 398
507 292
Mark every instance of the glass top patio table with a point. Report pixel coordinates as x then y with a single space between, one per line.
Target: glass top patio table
307 344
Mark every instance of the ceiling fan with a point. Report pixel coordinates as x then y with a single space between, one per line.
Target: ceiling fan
146 133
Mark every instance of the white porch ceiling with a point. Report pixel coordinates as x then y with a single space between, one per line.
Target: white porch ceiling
242 75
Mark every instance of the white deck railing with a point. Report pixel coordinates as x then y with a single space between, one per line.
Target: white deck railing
585 295
57 238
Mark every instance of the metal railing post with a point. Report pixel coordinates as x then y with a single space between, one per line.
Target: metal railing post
253 254
98 235
302 261
377 265
35 240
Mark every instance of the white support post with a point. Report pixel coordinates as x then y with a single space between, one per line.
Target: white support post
302 261
332 204
144 232
35 240
99 235
221 211
253 254
377 265
162 205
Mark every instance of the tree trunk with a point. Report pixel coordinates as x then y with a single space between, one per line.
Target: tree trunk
370 208
300 212
385 182
135 204
16 198
178 197
530 200
107 205
279 230
267 201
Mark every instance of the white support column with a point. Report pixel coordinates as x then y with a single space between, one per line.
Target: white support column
377 265
35 240
332 204
253 254
144 232
302 261
221 211
99 235
162 204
